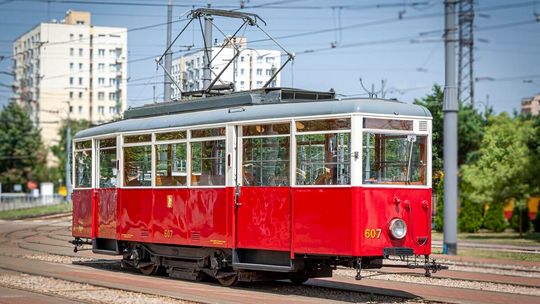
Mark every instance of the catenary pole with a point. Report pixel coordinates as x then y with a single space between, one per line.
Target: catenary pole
68 154
450 110
207 69
168 56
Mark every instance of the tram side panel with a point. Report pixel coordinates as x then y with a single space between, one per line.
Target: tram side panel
378 206
135 213
82 213
207 216
170 223
322 220
106 211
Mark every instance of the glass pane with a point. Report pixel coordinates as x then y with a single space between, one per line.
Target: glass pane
83 169
171 135
138 138
388 124
105 143
266 161
208 163
208 132
272 129
323 125
137 166
107 168
83 144
171 165
394 159
323 159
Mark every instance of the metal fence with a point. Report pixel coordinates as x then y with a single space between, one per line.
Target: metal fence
11 201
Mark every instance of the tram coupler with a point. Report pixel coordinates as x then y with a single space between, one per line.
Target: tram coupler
78 243
358 276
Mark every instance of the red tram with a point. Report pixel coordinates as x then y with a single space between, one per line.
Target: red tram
273 183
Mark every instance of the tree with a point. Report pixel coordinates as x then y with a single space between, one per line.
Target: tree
23 157
60 150
503 169
433 102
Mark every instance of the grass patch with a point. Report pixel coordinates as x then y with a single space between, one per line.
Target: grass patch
508 237
494 254
35 211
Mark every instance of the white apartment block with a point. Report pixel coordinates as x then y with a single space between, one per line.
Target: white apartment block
71 67
251 70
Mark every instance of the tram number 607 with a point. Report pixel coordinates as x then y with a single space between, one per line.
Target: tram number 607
372 233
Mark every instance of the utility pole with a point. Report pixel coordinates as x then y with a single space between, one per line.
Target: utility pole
68 154
207 69
466 51
168 56
450 110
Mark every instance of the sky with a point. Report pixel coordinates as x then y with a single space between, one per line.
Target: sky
371 42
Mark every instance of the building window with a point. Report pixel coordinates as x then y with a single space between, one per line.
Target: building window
112 110
71 80
101 110
259 59
80 66
270 60
268 72
71 36
112 68
101 67
80 109
242 58
80 95
259 72
112 82
80 52
80 36
80 81
101 95
71 51
242 71
80 22
70 95
70 109
71 66
101 81
112 96
101 52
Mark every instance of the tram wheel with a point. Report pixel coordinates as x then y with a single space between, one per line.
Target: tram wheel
149 270
228 281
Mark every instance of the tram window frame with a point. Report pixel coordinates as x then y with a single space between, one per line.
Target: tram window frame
329 176
199 136
256 132
185 174
106 144
424 161
128 144
83 146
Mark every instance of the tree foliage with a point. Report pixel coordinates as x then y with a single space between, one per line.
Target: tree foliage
520 221
23 157
494 219
502 170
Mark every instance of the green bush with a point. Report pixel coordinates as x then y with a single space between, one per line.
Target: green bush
470 216
515 220
536 222
494 219
440 206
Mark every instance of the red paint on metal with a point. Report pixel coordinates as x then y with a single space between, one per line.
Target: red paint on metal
82 213
322 222
106 202
264 218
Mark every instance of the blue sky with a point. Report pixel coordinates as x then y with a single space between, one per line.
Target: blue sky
374 43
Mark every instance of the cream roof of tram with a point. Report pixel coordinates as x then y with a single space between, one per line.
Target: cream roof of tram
258 112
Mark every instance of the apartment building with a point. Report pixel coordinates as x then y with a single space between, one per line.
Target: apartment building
531 105
70 67
251 70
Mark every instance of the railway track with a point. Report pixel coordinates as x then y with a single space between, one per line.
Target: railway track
46 242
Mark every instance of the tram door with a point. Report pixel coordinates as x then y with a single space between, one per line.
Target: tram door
105 193
263 193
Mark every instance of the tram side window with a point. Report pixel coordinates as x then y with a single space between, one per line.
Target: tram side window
266 161
138 166
394 159
208 163
83 164
171 164
107 163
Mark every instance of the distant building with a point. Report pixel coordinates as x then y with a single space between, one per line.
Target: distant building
531 105
251 70
70 65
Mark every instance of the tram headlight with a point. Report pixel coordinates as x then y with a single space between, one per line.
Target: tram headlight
398 228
